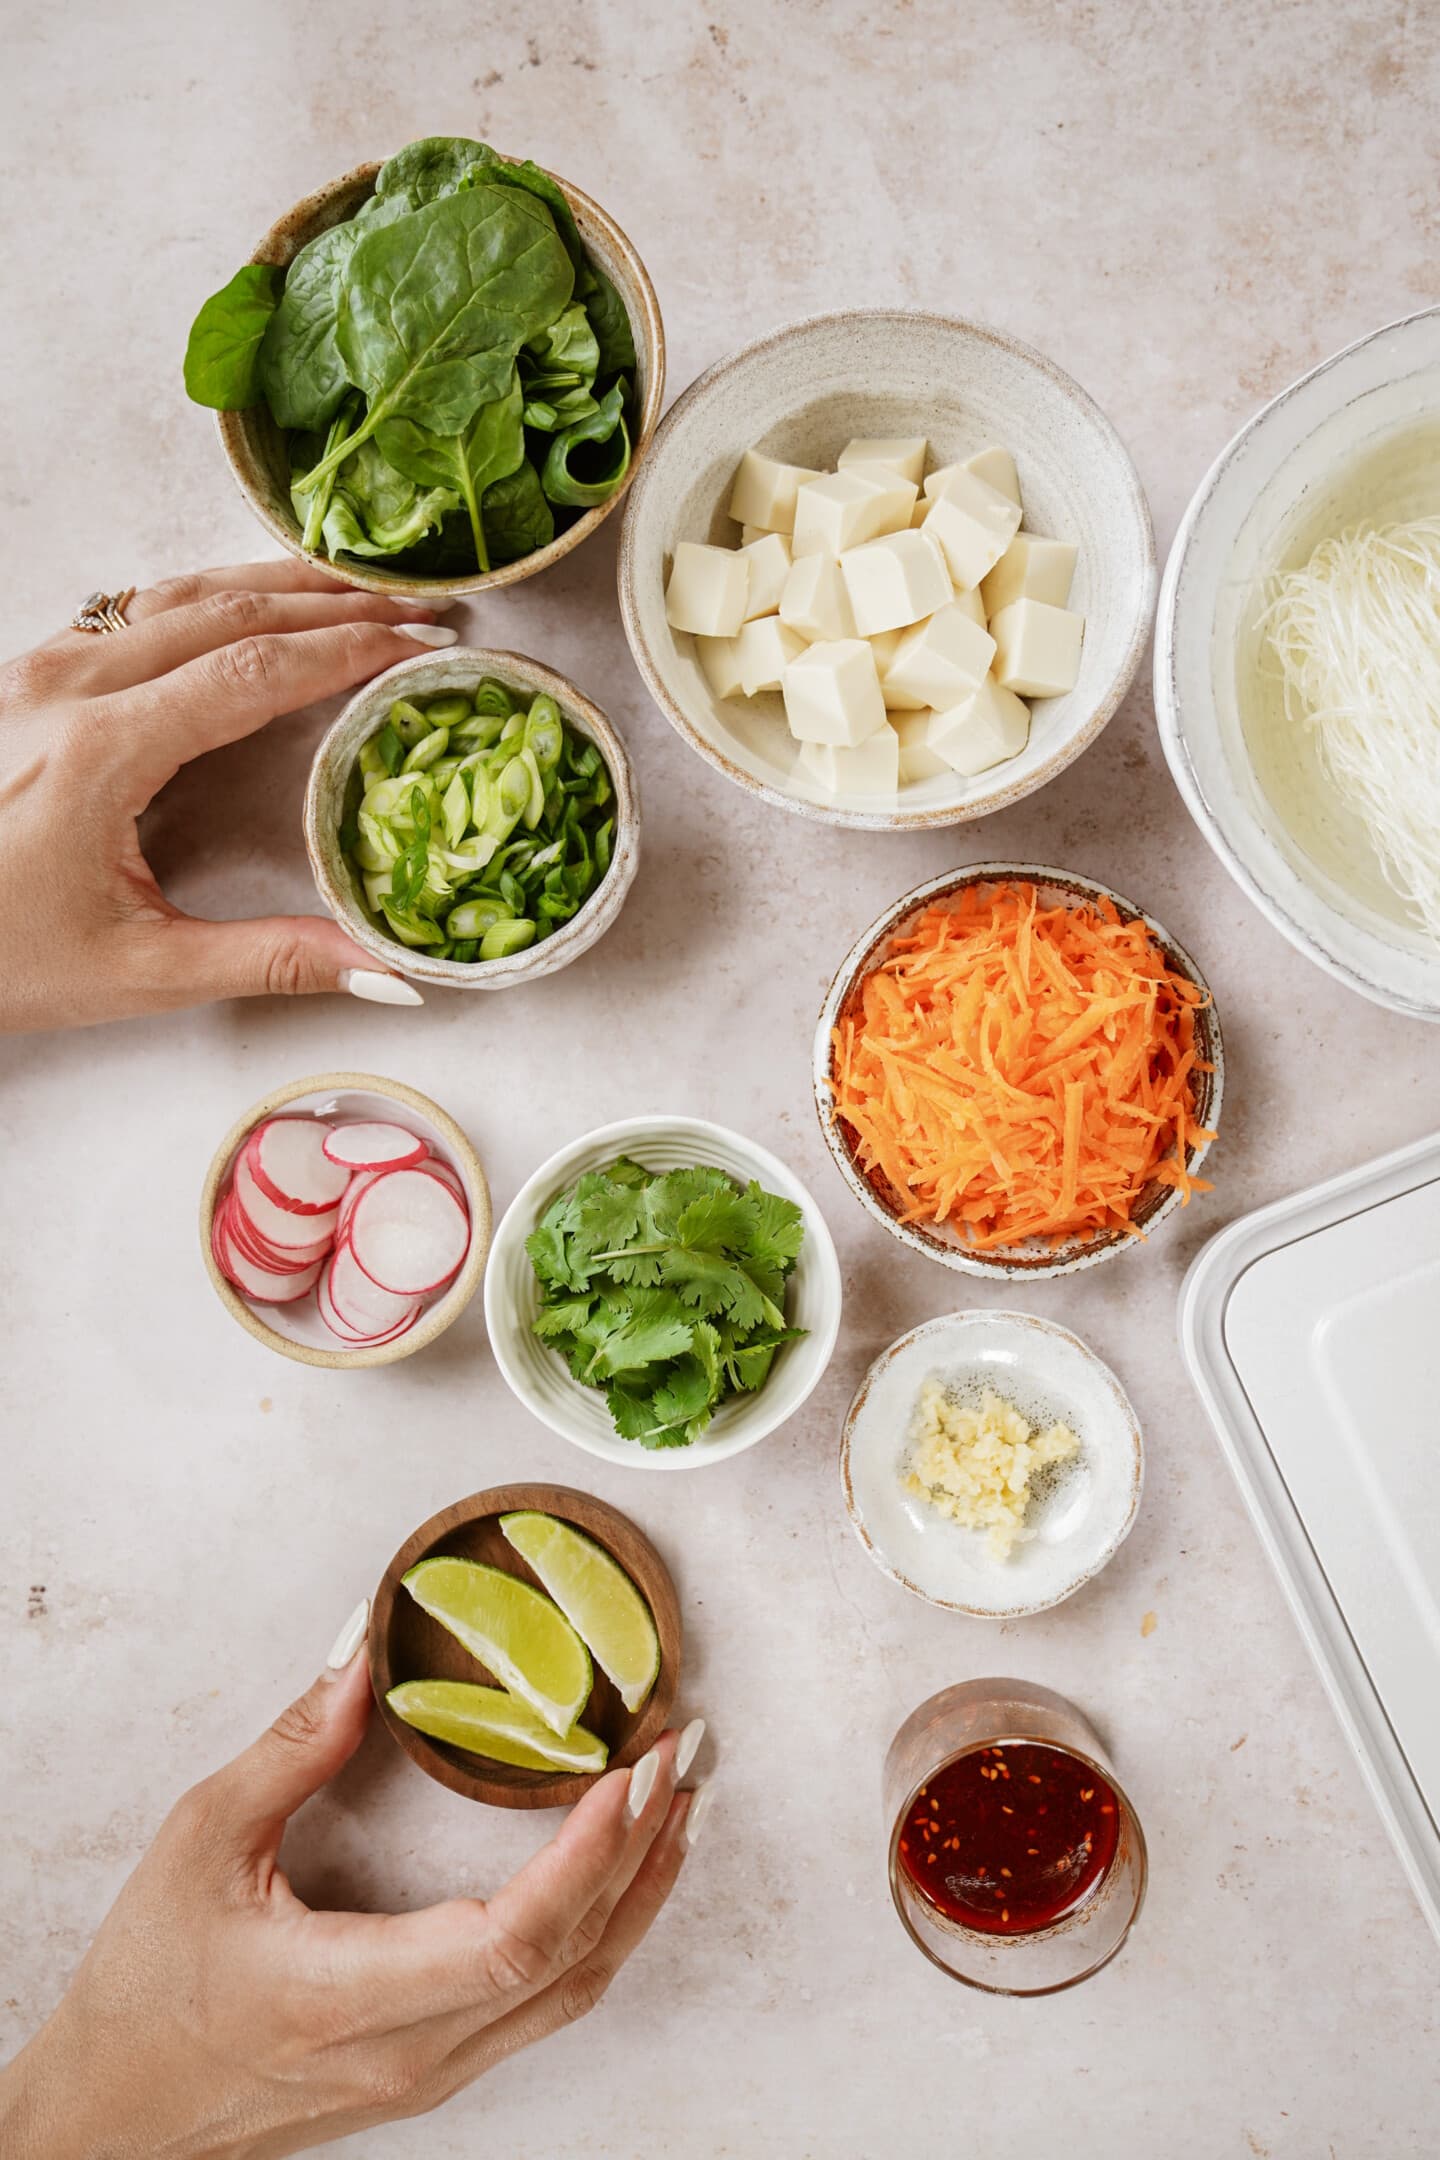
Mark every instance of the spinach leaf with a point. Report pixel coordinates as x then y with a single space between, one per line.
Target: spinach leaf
566 347
602 303
562 483
490 448
222 354
430 168
516 516
376 510
301 371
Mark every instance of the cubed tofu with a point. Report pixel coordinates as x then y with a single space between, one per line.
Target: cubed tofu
1030 569
769 560
832 694
872 768
972 604
707 589
894 581
984 729
1037 648
902 454
885 645
919 759
843 510
994 466
974 524
941 660
749 533
815 601
764 492
921 510
764 649
720 665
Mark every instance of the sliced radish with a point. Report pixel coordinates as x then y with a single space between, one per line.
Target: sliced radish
357 1185
409 1233
287 1156
328 1314
359 1302
433 1166
277 1225
281 1259
374 1146
261 1284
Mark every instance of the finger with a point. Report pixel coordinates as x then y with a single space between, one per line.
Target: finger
184 961
176 635
287 573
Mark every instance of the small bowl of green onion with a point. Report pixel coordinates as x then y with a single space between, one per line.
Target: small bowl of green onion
472 820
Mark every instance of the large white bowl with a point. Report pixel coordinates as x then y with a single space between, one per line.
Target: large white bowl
540 1377
1332 445
801 393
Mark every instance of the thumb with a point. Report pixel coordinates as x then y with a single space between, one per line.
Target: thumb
192 962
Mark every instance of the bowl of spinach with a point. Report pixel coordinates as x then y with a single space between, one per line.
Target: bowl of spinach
437 374
471 819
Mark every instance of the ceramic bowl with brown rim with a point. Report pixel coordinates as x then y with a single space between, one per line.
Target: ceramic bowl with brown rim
334 789
408 1643
255 447
800 395
942 1241
296 1330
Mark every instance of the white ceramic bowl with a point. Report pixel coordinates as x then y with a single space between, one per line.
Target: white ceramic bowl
1335 446
1080 1516
940 1241
461 668
800 394
540 1377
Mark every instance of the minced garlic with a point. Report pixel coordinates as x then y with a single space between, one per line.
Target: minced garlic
975 1465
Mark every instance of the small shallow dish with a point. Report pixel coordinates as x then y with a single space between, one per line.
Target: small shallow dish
800 394
1356 439
297 1331
255 449
540 1378
461 668
1082 1512
1034 1256
406 1643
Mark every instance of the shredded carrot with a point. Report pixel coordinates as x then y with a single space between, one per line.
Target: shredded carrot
1021 1070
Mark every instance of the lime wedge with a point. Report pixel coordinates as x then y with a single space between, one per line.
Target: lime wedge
596 1596
486 1721
524 1640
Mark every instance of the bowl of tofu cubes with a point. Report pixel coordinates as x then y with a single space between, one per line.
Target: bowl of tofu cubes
887 569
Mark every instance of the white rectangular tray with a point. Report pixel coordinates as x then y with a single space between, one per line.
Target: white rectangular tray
1312 1332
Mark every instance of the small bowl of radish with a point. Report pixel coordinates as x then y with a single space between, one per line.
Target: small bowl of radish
345 1220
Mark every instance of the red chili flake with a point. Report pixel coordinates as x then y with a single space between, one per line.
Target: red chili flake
1006 1810
1106 1809
1005 1871
1005 1912
1032 1779
1087 1792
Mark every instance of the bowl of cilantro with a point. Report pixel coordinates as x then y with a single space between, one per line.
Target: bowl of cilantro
663 1293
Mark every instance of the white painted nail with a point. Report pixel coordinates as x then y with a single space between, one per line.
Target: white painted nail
699 1808
687 1746
425 633
350 1637
642 1784
379 989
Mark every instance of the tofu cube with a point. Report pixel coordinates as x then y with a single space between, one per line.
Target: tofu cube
894 581
872 768
720 665
921 511
832 694
751 532
994 466
1037 648
941 660
843 510
984 729
902 454
764 492
769 560
919 759
972 604
885 645
974 524
1030 569
707 589
815 601
764 649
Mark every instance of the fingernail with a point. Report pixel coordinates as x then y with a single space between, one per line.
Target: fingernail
425 633
699 1808
350 1637
642 1784
379 989
687 1746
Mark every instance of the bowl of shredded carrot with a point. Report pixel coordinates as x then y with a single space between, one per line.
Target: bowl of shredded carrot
1018 1072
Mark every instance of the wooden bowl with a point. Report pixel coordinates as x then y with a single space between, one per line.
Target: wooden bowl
407 1644
255 446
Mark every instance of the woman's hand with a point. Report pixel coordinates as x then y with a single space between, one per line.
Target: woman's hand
215 2015
91 728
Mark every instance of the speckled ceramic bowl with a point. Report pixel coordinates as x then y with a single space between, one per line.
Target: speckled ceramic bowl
297 1331
1034 1256
461 667
255 447
800 394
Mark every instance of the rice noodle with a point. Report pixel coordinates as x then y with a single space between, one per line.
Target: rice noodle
1357 634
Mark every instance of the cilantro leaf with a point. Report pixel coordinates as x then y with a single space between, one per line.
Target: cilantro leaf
778 1229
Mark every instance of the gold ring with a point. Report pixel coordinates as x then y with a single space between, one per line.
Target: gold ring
102 611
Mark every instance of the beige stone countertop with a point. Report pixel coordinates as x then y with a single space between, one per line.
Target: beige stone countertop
1185 206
